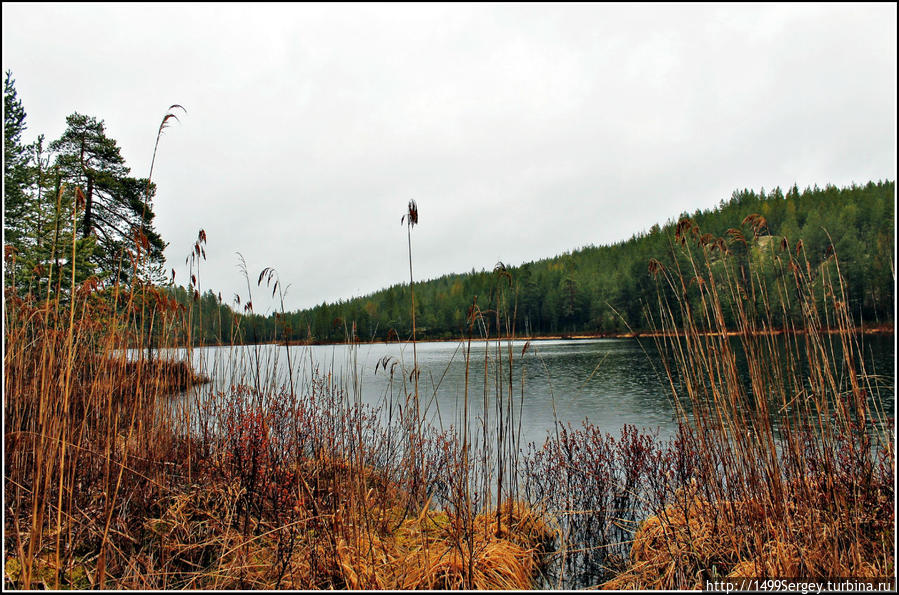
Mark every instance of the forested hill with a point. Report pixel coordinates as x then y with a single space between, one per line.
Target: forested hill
590 290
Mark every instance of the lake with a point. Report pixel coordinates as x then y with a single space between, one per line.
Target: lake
610 382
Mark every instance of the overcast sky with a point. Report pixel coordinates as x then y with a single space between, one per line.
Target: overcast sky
521 131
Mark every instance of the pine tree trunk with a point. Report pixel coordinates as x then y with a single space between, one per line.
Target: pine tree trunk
88 201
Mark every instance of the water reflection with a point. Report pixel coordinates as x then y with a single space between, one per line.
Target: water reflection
610 382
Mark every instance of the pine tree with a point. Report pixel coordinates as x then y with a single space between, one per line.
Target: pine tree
117 207
17 203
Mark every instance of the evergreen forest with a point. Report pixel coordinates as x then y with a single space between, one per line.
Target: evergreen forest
604 290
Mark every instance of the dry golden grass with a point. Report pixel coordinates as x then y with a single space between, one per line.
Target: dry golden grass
426 552
694 539
374 546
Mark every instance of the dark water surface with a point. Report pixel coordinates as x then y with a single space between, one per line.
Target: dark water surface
610 382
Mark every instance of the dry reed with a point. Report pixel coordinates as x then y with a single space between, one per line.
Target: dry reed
793 466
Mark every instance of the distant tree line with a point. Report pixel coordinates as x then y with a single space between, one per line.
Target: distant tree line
602 289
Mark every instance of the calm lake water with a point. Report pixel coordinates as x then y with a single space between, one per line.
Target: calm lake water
610 382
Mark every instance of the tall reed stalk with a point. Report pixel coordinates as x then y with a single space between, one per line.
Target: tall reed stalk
792 465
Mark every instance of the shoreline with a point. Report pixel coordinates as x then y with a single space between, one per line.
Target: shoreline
884 329
873 330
